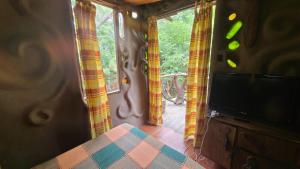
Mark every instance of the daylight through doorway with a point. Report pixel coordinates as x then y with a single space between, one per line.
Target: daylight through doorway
174 42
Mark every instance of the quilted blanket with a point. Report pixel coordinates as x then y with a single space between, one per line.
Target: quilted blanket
123 147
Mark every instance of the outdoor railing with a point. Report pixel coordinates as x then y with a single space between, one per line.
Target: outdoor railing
174 87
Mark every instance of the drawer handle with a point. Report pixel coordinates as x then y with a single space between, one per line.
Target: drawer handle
251 163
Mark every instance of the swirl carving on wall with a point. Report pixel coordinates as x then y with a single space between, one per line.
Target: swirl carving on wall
31 65
270 37
281 55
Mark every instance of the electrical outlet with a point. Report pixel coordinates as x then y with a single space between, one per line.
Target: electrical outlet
214 114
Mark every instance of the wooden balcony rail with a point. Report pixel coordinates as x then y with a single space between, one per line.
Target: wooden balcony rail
172 90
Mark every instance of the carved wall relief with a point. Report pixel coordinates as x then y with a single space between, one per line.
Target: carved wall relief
281 54
130 105
41 110
269 39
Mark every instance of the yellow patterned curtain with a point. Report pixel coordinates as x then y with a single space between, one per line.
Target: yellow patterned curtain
155 91
91 68
198 71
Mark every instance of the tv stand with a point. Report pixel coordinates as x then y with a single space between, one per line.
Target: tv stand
241 120
236 144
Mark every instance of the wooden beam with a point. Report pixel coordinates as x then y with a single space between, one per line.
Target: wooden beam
105 18
140 2
166 8
117 4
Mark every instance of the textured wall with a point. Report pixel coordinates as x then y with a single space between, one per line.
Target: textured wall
269 38
131 103
41 110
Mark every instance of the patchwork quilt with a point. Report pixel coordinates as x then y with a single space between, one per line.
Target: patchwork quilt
123 147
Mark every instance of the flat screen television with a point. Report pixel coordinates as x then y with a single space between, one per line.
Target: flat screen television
268 99
229 93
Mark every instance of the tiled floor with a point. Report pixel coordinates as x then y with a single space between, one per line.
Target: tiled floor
174 117
176 140
171 133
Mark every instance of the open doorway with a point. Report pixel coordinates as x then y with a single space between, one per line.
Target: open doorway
174 42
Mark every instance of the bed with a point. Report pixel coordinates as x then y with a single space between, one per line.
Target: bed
123 147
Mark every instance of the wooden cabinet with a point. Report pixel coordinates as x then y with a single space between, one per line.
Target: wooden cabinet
246 160
219 142
241 145
266 146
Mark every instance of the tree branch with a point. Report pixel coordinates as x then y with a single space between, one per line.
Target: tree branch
105 18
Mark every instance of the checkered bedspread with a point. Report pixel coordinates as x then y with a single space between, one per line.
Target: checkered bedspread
123 147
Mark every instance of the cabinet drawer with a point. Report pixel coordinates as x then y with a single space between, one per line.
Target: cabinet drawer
245 160
219 142
271 148
298 159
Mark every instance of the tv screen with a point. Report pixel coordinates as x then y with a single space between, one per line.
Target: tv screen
273 99
229 93
268 99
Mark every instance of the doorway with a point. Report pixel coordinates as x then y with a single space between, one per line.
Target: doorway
174 42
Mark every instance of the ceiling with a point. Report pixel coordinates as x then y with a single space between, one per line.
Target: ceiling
141 2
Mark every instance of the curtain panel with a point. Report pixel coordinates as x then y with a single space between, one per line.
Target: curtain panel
155 91
198 72
91 68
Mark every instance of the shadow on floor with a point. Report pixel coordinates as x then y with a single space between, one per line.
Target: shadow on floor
175 140
171 133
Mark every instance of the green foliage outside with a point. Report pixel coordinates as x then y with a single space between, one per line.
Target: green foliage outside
73 2
174 35
105 35
174 41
